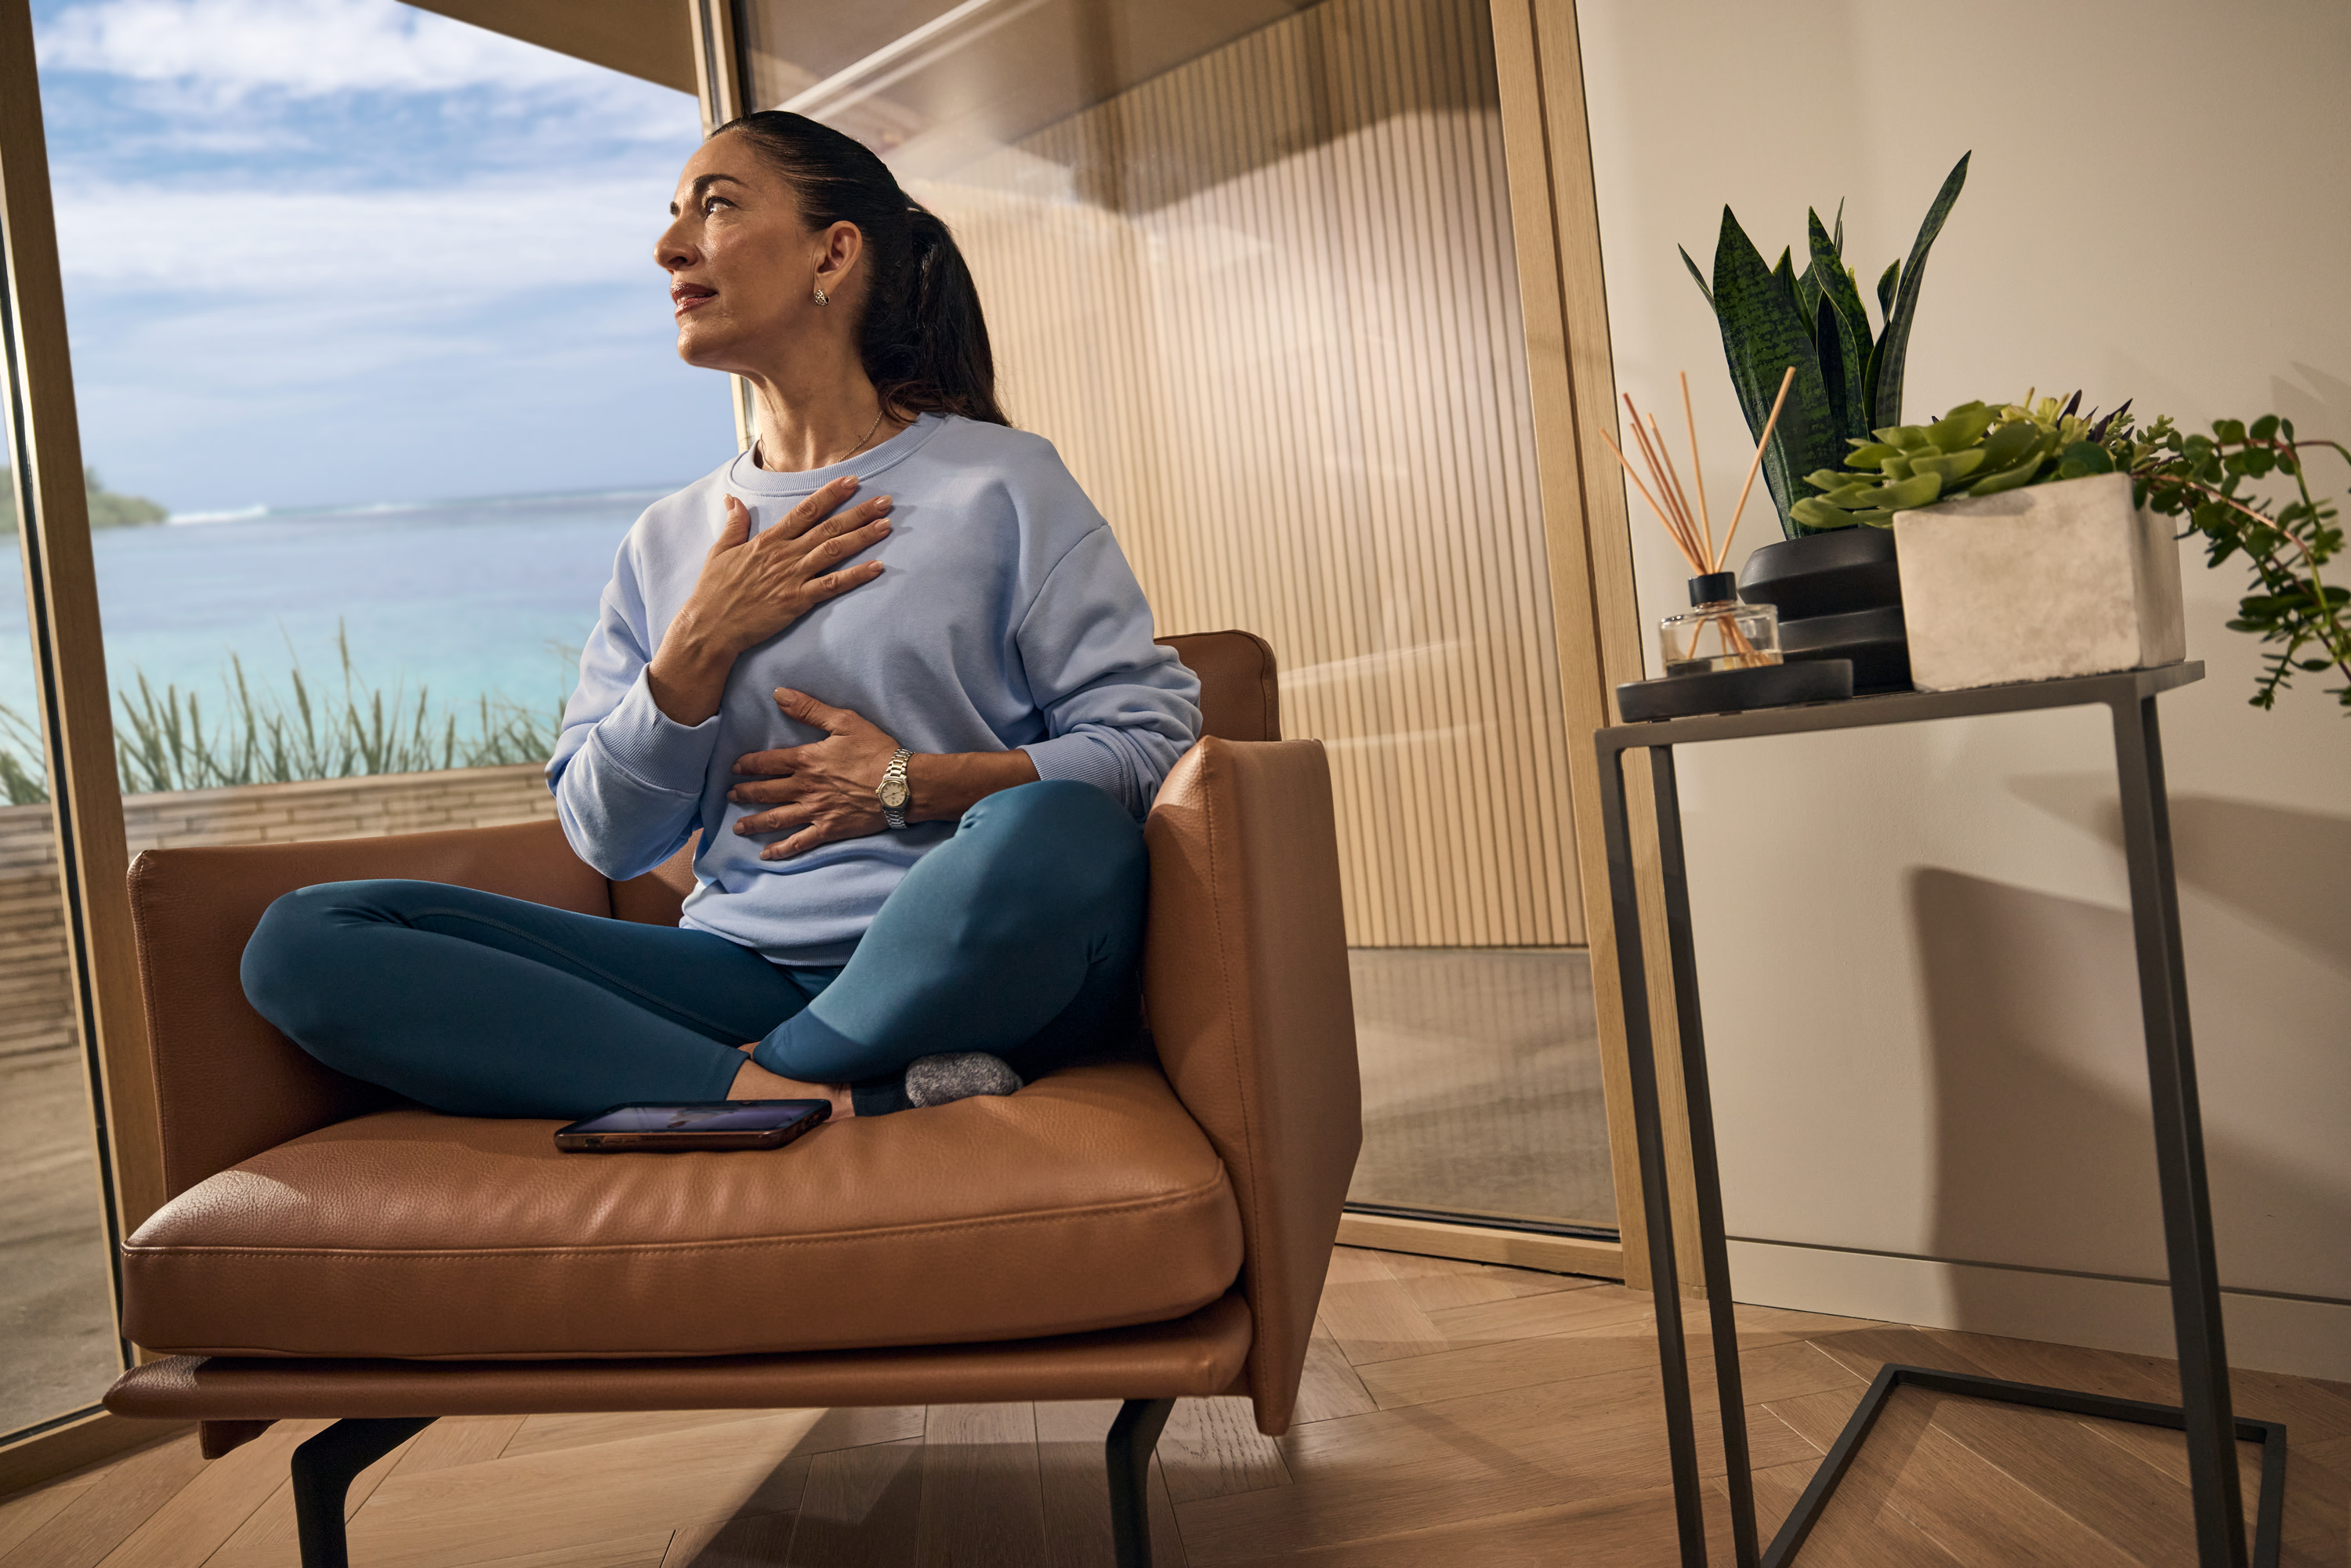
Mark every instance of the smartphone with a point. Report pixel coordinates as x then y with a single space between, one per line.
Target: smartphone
696 1125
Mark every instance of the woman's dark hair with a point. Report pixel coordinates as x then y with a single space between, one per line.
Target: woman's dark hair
923 339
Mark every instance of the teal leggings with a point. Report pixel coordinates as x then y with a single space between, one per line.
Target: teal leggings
1019 935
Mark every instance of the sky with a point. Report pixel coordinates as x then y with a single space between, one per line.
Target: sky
343 252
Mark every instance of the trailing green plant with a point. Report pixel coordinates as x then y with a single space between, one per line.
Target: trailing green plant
173 740
1848 380
1975 449
2202 479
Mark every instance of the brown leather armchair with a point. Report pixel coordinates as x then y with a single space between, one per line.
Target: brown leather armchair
1132 1230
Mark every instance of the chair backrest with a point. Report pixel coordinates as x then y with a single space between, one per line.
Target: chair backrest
1245 975
1238 701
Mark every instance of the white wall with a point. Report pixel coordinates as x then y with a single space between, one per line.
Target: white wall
1915 947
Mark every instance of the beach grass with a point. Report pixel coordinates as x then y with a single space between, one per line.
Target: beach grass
171 738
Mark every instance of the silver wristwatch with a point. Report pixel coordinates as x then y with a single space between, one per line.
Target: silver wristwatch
894 792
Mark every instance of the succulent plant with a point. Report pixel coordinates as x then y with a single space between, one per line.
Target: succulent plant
1849 381
1973 450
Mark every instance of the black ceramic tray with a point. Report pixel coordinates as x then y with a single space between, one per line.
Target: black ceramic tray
1735 691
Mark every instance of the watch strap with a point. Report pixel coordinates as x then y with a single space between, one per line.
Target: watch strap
896 816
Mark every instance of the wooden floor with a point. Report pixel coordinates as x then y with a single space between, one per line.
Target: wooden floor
1452 1414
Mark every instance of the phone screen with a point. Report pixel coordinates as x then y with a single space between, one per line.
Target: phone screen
715 1116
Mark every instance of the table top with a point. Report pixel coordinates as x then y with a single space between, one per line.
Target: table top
1902 707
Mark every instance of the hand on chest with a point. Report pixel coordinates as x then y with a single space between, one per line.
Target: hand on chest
928 638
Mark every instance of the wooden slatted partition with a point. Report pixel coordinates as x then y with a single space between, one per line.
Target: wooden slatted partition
1267 306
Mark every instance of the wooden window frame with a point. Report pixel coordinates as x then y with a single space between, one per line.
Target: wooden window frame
1555 219
78 730
722 74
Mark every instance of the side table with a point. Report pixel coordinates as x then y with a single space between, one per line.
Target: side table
2204 1413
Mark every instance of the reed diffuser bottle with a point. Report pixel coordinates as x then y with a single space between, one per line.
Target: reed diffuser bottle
1718 632
1720 656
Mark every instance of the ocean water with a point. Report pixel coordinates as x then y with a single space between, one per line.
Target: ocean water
460 597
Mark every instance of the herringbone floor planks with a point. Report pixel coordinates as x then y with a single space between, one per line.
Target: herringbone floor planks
1451 1413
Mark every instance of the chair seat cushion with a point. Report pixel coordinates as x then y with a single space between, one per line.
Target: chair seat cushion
1089 1200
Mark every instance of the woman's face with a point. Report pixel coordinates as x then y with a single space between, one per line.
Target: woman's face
743 269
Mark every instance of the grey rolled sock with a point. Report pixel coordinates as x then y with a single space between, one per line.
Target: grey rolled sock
958 1075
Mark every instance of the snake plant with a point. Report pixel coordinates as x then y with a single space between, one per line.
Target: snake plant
1848 380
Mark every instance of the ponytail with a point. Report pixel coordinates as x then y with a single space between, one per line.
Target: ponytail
922 335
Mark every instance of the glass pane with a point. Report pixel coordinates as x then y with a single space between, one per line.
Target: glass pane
375 362
57 1349
327 268
1249 267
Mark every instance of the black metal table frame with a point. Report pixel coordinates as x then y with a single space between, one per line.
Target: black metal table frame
2204 1413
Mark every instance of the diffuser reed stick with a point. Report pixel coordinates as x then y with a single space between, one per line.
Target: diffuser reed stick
1757 462
1698 475
1692 529
1672 530
1681 496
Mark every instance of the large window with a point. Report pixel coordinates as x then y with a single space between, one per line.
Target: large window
374 371
1251 269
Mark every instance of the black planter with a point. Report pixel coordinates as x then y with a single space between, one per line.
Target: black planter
1840 597
1873 639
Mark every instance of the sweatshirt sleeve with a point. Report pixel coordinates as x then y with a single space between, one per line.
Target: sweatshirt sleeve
627 779
1119 709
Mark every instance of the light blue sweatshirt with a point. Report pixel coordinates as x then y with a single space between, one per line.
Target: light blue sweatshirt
1005 616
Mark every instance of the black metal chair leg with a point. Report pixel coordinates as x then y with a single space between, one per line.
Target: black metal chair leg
323 1471
1133 1437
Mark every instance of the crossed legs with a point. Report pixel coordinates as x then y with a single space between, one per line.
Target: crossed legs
1018 936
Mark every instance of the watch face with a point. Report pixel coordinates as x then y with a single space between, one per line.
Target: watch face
892 794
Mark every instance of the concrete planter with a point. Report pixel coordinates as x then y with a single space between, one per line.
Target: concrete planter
2036 584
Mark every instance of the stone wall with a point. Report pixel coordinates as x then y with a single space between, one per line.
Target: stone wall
36 1010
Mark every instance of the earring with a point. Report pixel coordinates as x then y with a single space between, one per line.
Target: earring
820 295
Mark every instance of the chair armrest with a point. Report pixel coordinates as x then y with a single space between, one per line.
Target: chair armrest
1245 972
228 1084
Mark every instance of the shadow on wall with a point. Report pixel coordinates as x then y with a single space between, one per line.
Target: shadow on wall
2279 868
2044 1151
2321 406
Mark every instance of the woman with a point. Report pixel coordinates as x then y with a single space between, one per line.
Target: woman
890 664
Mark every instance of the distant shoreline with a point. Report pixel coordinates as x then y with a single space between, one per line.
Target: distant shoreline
108 508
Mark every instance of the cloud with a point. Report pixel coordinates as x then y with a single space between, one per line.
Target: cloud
341 249
510 234
303 48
